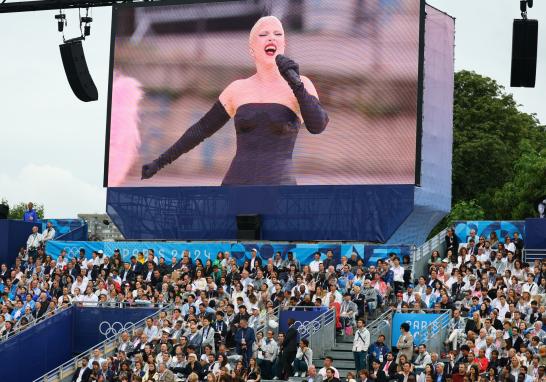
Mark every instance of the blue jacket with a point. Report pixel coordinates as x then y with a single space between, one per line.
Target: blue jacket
377 350
30 214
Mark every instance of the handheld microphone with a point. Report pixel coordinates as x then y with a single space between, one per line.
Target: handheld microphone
292 76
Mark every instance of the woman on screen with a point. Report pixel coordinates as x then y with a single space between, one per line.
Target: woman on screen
268 109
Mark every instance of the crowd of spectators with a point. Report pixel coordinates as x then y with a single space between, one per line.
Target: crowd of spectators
497 307
221 323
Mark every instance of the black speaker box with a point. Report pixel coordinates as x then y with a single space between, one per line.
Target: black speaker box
524 53
248 227
77 72
4 211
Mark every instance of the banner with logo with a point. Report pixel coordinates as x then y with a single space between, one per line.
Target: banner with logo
303 252
422 326
485 227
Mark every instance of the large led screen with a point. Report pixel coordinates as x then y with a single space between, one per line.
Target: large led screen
199 96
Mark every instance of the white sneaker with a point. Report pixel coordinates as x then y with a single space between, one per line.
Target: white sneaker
275 378
296 374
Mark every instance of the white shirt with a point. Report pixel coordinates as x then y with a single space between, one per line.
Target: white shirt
398 274
90 300
510 247
361 340
532 289
314 266
34 240
80 376
49 234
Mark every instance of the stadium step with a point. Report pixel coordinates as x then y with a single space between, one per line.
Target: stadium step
342 339
341 355
343 346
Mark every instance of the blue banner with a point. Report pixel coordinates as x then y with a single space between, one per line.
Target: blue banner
94 325
13 235
485 227
63 226
421 326
59 338
303 252
302 317
535 230
45 346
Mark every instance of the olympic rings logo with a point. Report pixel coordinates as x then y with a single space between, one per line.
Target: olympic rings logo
108 330
306 328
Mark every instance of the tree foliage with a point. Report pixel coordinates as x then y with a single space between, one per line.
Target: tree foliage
17 210
498 157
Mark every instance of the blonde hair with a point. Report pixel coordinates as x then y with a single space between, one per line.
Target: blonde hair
259 23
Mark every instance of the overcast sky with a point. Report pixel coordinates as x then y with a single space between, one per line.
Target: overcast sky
52 145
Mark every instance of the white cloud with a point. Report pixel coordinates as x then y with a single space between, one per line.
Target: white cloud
63 194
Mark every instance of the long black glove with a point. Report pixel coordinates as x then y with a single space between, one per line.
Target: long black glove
314 115
211 122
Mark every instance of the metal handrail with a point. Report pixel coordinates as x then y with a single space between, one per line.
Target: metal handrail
314 326
261 328
321 333
72 364
424 251
533 254
24 328
436 326
378 323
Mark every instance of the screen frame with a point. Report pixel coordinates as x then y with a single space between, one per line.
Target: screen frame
420 79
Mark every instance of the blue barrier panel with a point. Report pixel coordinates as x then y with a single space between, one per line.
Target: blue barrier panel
14 235
303 252
535 233
485 227
303 213
63 226
94 325
78 234
373 253
35 351
418 322
302 317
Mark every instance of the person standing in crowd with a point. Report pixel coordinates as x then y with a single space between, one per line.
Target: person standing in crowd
244 339
405 343
378 350
267 354
49 233
290 348
361 343
34 242
30 214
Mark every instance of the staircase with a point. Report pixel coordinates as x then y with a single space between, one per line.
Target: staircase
342 355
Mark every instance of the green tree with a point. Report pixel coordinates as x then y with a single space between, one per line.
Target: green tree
17 210
518 198
488 135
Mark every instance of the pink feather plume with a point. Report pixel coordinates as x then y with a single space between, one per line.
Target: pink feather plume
124 133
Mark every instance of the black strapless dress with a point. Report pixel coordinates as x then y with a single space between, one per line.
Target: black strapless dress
266 135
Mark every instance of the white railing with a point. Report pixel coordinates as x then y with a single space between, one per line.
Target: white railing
437 332
18 329
530 255
321 333
263 327
381 325
107 346
421 255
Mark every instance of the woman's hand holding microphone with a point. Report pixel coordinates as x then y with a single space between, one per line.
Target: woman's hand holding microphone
312 112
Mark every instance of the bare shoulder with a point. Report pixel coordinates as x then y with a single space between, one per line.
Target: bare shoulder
229 94
309 86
